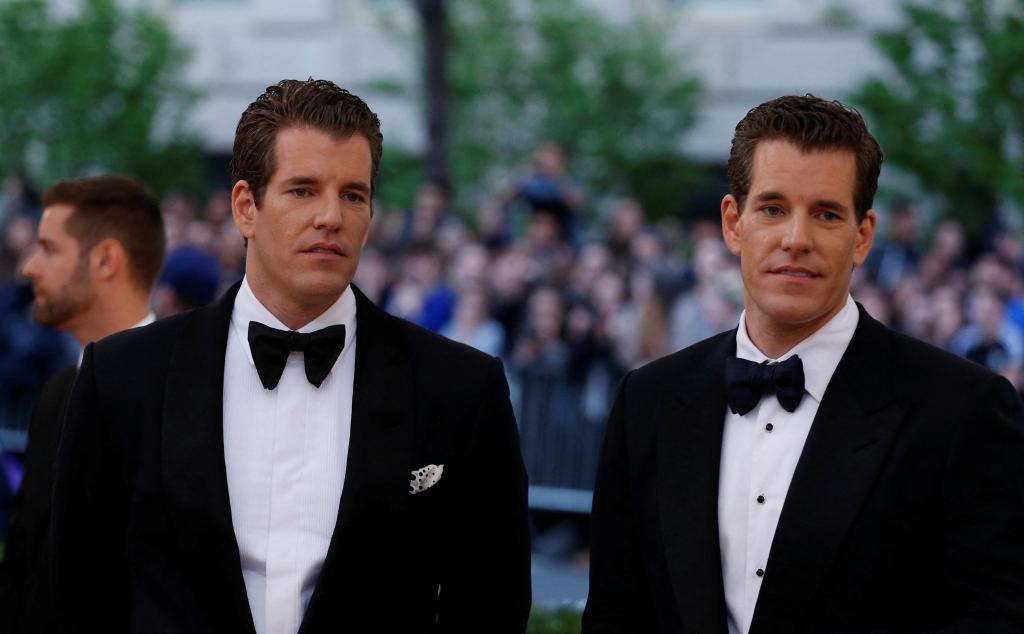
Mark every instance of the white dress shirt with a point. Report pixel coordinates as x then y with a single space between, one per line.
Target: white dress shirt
285 451
760 451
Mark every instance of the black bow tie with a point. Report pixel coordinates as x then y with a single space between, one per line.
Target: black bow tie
746 382
270 348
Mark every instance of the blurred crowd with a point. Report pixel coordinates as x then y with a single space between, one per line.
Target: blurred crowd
570 292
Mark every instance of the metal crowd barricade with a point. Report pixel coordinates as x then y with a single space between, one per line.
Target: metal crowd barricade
14 417
561 427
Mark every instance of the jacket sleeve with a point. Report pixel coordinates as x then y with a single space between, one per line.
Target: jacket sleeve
24 573
983 515
88 522
486 582
619 600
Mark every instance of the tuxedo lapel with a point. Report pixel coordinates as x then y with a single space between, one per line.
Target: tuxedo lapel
847 444
192 452
377 474
688 458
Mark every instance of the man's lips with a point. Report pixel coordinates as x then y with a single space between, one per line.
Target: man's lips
798 272
324 248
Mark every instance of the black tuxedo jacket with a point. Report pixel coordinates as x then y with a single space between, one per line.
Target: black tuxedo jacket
905 513
142 536
25 605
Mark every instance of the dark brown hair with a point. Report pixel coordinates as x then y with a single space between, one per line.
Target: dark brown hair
812 124
115 207
315 103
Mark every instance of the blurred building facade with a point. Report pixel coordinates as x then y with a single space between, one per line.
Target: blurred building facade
746 51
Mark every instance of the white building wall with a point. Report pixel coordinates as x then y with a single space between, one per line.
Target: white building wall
747 51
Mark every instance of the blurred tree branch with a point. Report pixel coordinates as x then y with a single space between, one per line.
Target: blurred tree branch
520 72
100 90
951 110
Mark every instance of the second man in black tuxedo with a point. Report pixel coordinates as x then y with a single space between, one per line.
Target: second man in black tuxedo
810 471
290 458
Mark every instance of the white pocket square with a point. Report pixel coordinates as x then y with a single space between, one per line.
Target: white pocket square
426 477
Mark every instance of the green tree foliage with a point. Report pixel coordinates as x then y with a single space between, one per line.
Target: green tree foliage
613 94
563 620
951 111
96 90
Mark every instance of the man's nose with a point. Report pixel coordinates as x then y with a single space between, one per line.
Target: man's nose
31 267
329 216
798 233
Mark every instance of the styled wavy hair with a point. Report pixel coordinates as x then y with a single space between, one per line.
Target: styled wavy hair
314 103
812 124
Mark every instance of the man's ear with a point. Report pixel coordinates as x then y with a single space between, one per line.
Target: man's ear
243 209
865 237
731 229
107 259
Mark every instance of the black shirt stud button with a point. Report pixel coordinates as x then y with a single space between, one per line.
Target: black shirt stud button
760 499
760 572
769 427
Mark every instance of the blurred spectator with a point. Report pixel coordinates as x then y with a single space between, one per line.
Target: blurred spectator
988 338
218 209
19 234
873 300
539 348
552 195
627 221
422 295
896 257
190 279
714 302
18 198
428 213
472 325
373 276
949 244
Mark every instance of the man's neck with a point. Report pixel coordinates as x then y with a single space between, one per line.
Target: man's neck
292 314
775 339
102 322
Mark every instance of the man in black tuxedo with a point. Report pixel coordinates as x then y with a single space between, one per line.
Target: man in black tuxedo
291 458
810 471
99 250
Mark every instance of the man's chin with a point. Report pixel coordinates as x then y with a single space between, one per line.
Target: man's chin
321 285
48 318
796 313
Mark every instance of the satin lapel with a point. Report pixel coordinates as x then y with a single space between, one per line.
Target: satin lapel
379 454
848 442
192 448
688 457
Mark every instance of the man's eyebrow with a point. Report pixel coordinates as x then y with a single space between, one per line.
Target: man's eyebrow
831 204
309 180
358 186
300 180
769 195
823 203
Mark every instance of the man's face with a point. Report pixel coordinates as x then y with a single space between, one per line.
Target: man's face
797 236
59 272
306 236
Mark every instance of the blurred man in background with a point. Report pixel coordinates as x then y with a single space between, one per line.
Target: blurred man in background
98 252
